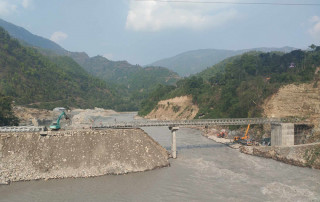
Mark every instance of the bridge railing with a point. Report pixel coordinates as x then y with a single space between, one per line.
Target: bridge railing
196 122
8 129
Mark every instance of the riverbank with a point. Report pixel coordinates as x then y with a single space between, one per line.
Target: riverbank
305 155
78 153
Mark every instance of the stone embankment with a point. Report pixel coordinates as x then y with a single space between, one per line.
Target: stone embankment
307 155
83 153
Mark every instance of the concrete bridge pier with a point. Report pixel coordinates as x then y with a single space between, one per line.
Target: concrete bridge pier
174 141
282 134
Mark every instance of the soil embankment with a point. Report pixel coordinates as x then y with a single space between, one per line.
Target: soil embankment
179 108
85 153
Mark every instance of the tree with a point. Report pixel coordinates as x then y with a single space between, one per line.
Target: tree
7 117
313 47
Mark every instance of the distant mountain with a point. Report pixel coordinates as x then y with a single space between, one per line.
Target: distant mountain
117 72
133 77
31 39
36 80
195 61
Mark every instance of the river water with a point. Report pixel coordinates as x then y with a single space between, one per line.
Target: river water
203 171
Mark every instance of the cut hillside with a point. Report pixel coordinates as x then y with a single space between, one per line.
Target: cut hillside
292 100
178 108
301 101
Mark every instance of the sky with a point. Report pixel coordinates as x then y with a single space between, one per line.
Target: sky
143 32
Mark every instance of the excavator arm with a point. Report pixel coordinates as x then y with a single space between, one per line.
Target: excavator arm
56 125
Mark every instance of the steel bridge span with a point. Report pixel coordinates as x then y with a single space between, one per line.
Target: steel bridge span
174 125
197 122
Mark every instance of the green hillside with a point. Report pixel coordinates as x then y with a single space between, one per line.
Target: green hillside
7 117
35 80
241 85
113 71
195 61
132 77
132 82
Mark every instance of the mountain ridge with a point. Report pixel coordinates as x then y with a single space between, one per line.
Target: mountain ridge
116 72
194 61
21 33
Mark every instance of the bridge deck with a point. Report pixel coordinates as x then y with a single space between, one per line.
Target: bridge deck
8 129
198 122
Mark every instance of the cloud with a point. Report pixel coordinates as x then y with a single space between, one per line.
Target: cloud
26 3
7 8
314 31
58 36
155 16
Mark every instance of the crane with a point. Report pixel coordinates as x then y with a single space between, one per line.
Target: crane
245 139
56 125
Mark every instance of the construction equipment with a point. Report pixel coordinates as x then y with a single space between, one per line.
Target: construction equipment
245 140
222 134
56 125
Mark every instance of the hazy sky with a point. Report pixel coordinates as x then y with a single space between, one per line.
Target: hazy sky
143 32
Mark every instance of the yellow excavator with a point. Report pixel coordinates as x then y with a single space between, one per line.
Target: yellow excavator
245 140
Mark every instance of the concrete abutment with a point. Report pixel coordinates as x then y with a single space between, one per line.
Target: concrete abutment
282 134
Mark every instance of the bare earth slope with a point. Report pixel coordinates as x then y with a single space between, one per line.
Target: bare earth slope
178 108
294 100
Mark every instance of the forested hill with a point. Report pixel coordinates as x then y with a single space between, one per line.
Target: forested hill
133 77
192 62
241 85
31 78
119 73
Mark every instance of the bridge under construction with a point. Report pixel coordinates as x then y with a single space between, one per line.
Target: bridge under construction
196 122
282 132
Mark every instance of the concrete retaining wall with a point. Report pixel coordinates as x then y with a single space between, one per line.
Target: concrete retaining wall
29 156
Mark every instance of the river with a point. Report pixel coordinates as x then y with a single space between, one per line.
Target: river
203 171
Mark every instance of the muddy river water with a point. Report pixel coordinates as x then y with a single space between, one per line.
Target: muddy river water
203 171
